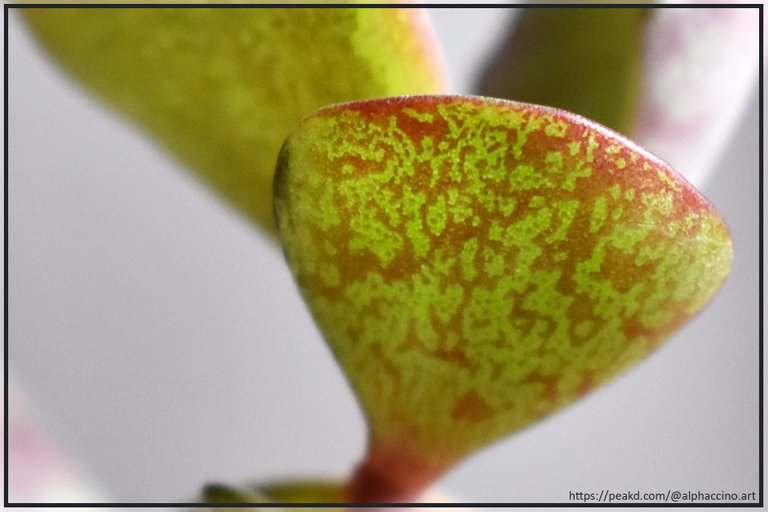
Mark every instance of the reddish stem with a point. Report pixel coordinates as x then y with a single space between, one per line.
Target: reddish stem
392 474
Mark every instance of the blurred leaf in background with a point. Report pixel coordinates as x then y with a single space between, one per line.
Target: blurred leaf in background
40 469
221 88
675 79
587 61
701 69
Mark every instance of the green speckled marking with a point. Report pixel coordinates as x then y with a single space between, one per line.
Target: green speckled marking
557 128
467 258
491 261
599 214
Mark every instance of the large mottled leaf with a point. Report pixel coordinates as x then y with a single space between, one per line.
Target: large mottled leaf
476 264
222 87
585 60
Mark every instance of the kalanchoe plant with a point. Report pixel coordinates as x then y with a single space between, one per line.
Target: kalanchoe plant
473 263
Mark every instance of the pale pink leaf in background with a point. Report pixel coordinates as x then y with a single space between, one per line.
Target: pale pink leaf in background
42 470
700 68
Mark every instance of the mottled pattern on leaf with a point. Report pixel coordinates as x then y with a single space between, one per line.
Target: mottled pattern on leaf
476 264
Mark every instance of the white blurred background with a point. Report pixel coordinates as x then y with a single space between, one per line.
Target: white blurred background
166 345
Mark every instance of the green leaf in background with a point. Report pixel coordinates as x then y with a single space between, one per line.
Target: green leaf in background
222 87
476 264
585 60
293 491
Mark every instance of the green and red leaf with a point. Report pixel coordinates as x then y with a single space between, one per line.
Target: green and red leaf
475 264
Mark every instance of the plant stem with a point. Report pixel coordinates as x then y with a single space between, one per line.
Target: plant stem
391 474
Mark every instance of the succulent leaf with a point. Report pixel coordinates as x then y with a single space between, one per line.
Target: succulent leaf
289 491
587 61
221 88
476 264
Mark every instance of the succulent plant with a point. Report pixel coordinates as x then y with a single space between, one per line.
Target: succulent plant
474 263
477 263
